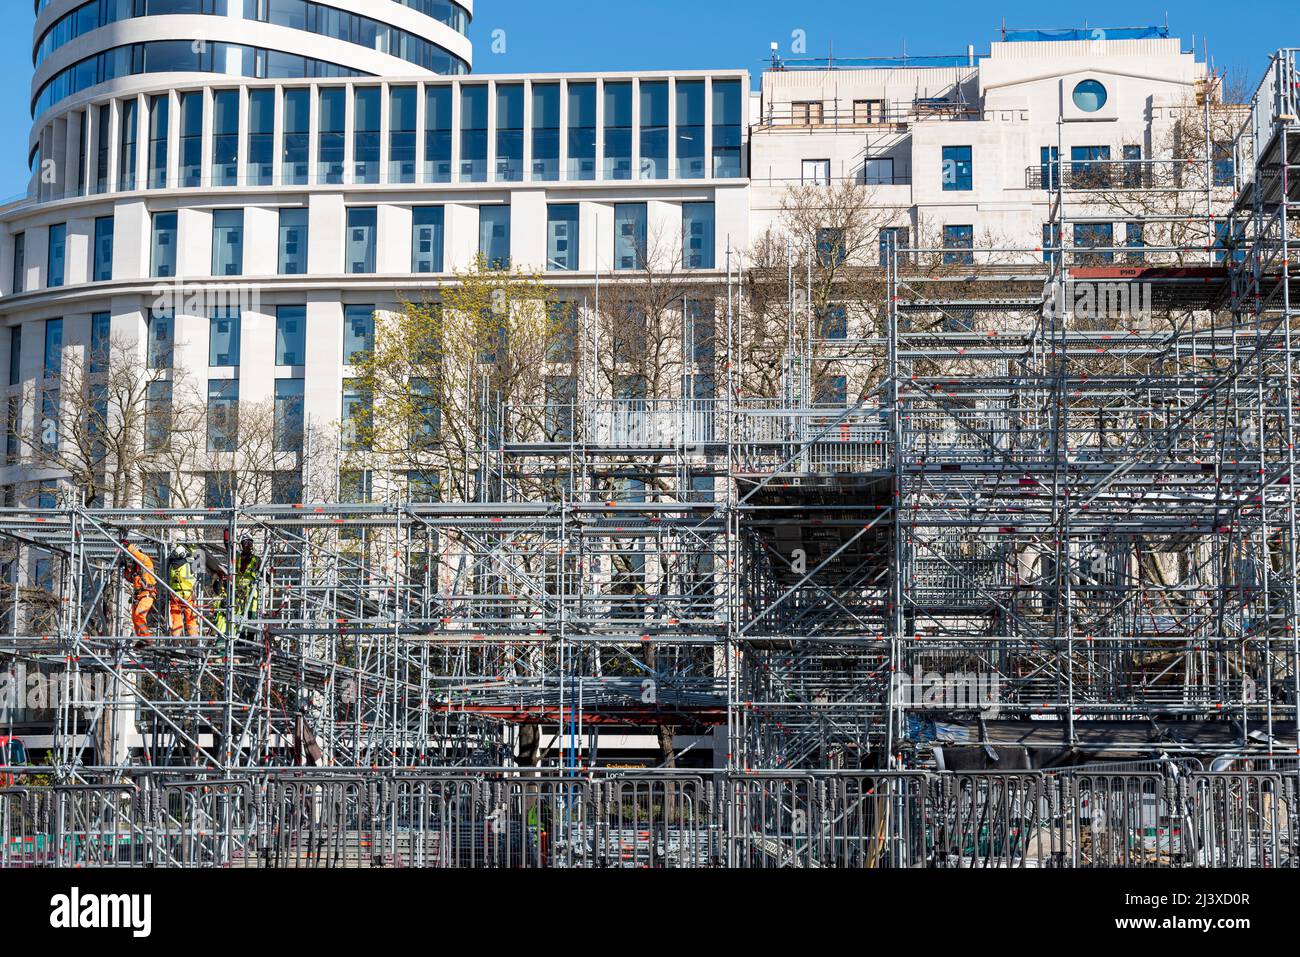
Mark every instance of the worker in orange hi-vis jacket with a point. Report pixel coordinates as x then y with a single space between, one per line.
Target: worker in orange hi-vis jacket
144 587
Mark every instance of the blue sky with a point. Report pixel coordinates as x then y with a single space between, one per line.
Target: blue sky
715 34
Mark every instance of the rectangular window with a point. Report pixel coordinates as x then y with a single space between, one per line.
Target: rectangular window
103 119
561 397
101 324
157 491
510 132
690 129
356 406
868 112
562 236
957 169
13 427
162 338
899 236
57 255
225 138
831 390
53 348
698 235
1090 167
157 415
728 127
423 487
228 242
163 251
1051 242
1094 236
358 332
296 157
362 222
562 344
494 236
618 130
582 131
103 266
473 133
218 490
20 263
1133 166
546 131
959 243
159 109
830 248
834 322
630 236
1049 167
355 486
401 134
878 171
261 137
1224 165
816 172
288 415
286 488
223 337
654 129
437 134
293 242
223 414
426 414
15 354
127 145
191 142
807 113
1133 239
290 335
365 134
332 143
426 239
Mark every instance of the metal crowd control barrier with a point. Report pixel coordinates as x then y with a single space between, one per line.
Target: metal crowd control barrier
542 819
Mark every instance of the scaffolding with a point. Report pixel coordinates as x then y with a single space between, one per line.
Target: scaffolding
1044 564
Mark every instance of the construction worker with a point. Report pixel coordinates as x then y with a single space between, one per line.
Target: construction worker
181 580
248 570
138 568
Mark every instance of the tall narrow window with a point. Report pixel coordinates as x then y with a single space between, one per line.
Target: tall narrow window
330 148
261 137
15 354
361 239
358 332
163 252
20 263
401 134
103 119
1134 241
1051 242
1049 167
101 325
494 236
958 174
288 415
473 133
896 237
297 137
157 414
698 235
426 239
1132 166
225 138
159 109
293 242
959 241
228 242
562 236
57 255
127 145
618 130
162 338
437 134
191 143
365 135
223 337
630 236
223 414
690 129
103 267
582 131
291 335
654 129
53 348
728 125
510 132
546 131
83 138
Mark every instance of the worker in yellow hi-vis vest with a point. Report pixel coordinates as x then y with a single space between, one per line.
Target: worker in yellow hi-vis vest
181 579
248 574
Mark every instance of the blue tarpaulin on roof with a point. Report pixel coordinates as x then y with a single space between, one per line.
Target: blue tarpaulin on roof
1088 33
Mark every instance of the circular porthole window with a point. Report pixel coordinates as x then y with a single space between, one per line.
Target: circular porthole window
1090 96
